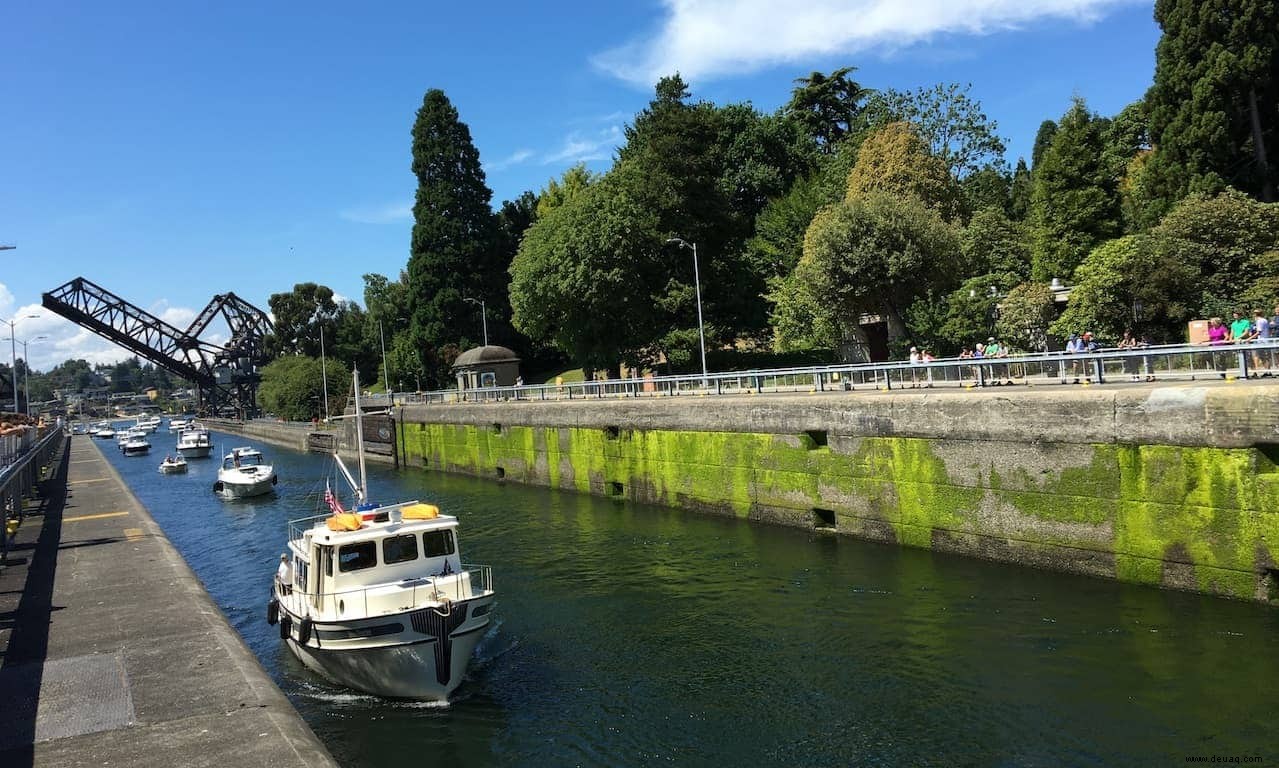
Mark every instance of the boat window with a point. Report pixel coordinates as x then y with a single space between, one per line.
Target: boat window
357 557
399 549
437 543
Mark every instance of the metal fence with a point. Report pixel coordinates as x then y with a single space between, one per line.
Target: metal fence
1173 362
18 482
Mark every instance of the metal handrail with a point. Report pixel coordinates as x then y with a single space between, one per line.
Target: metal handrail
481 581
1170 361
18 481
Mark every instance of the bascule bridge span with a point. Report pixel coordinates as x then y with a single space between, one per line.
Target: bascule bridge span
225 375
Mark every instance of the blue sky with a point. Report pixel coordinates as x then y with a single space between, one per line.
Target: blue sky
170 151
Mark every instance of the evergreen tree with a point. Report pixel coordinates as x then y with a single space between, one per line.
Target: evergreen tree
1214 107
1043 140
1020 192
1074 202
452 243
826 106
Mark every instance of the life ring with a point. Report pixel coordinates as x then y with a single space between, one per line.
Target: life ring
272 612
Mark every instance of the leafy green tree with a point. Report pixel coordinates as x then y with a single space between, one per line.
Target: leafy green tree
951 122
779 229
452 243
1043 140
988 187
588 276
1024 316
1221 239
970 310
292 387
993 243
1214 106
895 160
556 193
299 315
1125 136
873 253
1075 203
1020 192
826 106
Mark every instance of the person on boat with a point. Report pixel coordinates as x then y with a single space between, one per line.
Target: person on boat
285 575
235 459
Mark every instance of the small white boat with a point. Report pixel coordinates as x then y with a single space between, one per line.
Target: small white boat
173 466
194 442
136 446
244 473
378 599
177 425
104 432
149 423
125 436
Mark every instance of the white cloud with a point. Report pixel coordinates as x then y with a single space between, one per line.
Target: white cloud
515 158
705 39
389 213
579 147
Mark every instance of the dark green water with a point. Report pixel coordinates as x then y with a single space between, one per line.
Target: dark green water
633 635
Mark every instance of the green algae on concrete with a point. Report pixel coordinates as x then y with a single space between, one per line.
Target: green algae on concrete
1189 517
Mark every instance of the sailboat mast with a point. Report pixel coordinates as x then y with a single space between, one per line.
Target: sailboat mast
363 492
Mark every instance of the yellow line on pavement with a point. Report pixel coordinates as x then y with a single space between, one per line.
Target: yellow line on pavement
84 461
90 480
132 534
93 517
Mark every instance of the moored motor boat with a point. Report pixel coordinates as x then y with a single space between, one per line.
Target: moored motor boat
136 446
244 473
378 599
173 466
194 442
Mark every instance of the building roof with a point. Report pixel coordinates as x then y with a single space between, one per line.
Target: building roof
485 356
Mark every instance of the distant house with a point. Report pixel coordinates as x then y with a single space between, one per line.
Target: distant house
490 366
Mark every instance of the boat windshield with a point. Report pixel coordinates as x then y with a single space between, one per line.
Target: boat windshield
242 460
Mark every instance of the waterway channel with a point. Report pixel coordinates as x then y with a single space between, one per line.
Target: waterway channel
634 635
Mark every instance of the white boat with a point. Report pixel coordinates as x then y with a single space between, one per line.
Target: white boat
104 432
149 423
194 443
378 599
136 446
125 436
177 425
173 466
244 473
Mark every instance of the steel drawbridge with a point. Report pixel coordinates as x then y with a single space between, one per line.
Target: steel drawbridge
226 375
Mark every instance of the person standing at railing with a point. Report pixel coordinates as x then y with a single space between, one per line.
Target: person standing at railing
1261 334
915 359
284 574
1218 334
1240 328
1129 342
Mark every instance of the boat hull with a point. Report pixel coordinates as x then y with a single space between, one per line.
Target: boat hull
196 452
132 450
231 490
402 666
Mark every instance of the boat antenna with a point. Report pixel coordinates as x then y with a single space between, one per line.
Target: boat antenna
362 492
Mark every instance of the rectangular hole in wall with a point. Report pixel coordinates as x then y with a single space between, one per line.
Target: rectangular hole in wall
816 438
615 489
823 519
501 473
612 433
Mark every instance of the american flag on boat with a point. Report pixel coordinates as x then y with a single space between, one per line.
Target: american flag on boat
332 500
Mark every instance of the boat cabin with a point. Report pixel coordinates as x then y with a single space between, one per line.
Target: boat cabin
239 458
371 570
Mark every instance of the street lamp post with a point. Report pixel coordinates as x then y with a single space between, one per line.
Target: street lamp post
697 284
26 374
386 372
324 371
13 355
483 317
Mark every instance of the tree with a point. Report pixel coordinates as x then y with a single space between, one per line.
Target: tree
873 253
1214 105
993 243
1024 316
556 193
1074 203
292 387
1043 140
452 243
970 310
588 276
895 160
1020 191
988 187
826 106
299 315
951 122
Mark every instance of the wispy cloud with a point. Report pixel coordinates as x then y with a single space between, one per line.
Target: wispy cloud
379 214
580 147
515 158
705 39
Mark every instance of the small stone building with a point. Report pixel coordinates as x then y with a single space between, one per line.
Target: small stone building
490 366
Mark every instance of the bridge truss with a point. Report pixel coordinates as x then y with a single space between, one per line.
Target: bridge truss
225 375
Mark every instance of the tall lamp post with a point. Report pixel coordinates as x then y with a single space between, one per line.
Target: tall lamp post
26 375
386 372
13 355
324 371
697 284
483 317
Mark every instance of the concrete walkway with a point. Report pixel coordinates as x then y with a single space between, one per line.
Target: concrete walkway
114 654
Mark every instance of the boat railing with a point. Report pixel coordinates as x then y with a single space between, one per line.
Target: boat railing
394 597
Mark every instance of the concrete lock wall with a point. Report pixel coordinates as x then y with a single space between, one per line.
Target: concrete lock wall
1174 486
